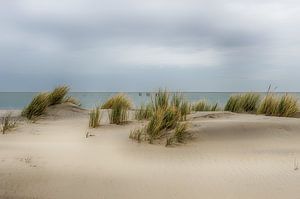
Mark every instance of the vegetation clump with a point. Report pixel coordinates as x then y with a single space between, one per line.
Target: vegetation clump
287 106
144 112
119 106
95 117
164 122
247 102
202 105
58 95
284 106
41 101
36 107
7 123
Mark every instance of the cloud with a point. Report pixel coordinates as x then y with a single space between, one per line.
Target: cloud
229 41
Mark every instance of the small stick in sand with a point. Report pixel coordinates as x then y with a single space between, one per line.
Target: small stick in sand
87 134
296 166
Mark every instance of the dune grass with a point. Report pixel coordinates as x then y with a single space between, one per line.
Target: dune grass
233 104
287 106
181 105
268 105
7 123
160 100
119 106
284 106
167 112
185 109
202 105
180 133
58 95
95 116
144 112
36 107
41 101
137 134
247 102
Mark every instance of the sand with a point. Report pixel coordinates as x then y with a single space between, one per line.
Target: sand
230 156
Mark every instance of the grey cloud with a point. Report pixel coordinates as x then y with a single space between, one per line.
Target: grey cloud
250 41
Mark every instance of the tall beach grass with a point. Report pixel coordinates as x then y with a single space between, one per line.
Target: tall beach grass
36 107
119 106
41 101
167 113
247 102
95 116
284 106
58 95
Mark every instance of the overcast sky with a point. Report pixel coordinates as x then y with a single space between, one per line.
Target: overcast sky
132 45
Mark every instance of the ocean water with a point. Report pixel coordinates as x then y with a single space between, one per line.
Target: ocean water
17 100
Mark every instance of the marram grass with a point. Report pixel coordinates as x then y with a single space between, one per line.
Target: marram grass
247 102
180 133
144 112
95 116
160 100
268 105
284 106
58 95
7 123
165 119
204 106
287 106
36 107
119 106
40 102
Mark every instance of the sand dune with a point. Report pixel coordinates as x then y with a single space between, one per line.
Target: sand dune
230 156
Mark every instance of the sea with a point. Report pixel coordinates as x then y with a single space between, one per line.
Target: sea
18 100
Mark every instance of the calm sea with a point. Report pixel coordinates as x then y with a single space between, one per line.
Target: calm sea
17 100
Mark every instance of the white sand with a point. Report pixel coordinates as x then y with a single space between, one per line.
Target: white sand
231 156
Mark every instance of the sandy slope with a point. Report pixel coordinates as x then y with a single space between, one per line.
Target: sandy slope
231 156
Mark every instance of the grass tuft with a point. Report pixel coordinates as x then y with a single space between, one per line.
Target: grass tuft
58 95
41 101
204 106
136 134
181 134
164 121
268 105
95 117
287 106
144 113
160 100
119 105
36 107
7 123
247 102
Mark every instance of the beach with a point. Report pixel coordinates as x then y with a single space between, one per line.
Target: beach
230 155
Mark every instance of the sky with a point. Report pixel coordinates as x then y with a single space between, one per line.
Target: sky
136 45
